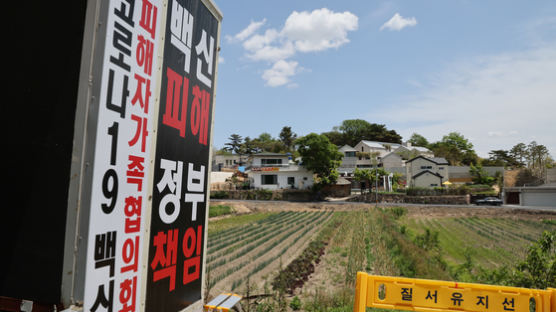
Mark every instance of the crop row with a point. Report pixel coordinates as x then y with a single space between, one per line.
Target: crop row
252 242
276 240
263 264
240 230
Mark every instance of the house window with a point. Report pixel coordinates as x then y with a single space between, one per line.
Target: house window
434 184
271 161
291 180
269 179
440 168
350 154
426 167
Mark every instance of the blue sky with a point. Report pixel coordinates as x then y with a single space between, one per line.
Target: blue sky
486 69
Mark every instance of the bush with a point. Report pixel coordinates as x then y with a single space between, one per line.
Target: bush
398 212
219 210
437 191
295 304
219 195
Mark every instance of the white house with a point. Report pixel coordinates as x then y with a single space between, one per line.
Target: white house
273 171
227 161
426 172
389 155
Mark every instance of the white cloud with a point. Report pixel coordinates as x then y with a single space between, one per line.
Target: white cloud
280 73
221 60
302 32
249 30
498 101
319 30
398 22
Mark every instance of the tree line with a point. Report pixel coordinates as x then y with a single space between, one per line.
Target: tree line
320 151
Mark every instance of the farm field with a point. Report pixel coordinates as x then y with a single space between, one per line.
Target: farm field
306 256
255 245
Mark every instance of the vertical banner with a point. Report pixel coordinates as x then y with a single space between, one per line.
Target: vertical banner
181 167
122 156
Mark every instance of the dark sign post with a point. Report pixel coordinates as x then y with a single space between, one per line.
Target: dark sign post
183 138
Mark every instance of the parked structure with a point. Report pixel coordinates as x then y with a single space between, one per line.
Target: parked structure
273 171
426 172
540 196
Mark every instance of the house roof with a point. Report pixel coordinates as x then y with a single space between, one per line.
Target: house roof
423 172
391 154
347 148
436 160
421 149
342 181
440 160
373 144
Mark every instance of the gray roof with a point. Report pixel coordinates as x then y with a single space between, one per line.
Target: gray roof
347 148
440 160
436 160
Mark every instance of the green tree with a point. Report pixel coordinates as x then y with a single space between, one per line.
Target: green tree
519 154
335 137
266 143
352 131
320 156
235 144
480 175
250 146
287 137
537 158
538 270
418 140
499 158
456 149
363 175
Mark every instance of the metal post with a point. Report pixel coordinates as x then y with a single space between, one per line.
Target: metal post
376 183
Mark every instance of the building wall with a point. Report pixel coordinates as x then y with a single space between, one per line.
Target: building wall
303 179
414 168
226 161
392 160
551 175
361 147
427 180
349 162
257 161
539 197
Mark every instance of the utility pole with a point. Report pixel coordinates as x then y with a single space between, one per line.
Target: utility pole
375 161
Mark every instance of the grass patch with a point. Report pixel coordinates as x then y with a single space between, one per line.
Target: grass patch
219 210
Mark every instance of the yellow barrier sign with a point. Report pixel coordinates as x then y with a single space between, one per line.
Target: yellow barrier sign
412 294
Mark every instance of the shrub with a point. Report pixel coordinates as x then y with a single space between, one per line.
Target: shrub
398 212
219 194
295 304
219 210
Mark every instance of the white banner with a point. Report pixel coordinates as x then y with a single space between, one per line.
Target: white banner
122 156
